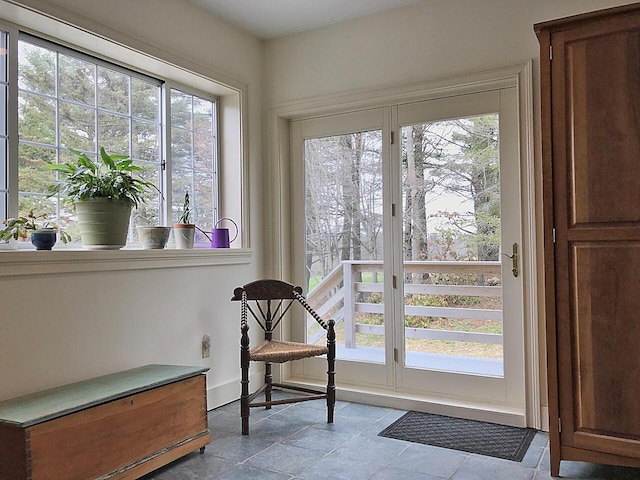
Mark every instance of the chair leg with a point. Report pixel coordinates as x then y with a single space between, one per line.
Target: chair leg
244 396
331 370
244 401
268 380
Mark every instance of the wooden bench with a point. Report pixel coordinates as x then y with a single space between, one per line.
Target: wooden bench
118 426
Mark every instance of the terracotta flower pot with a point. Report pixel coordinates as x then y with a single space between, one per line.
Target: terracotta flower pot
184 233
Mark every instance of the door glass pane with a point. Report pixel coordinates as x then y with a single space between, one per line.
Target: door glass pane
343 211
451 245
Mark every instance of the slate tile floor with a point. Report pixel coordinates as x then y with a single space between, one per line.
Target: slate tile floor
294 441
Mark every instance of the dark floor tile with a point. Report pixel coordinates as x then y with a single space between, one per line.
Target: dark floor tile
275 428
429 460
318 439
484 468
285 458
226 421
369 449
300 414
239 447
347 424
194 466
345 469
391 473
248 472
362 410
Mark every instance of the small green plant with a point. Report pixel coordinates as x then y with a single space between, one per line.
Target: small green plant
185 216
21 227
111 179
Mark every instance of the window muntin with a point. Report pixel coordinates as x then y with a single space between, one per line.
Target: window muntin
87 103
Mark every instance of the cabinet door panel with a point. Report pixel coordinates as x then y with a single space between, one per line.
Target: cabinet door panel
605 324
603 116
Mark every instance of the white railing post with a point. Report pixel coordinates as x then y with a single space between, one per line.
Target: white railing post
349 305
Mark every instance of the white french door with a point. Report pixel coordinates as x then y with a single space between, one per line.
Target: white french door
461 327
402 218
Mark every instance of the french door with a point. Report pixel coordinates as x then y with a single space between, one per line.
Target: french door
408 235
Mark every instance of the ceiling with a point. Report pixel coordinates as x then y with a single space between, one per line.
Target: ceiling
267 19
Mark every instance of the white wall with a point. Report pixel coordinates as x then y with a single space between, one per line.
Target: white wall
431 40
428 40
59 328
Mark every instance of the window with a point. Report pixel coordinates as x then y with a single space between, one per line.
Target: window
70 99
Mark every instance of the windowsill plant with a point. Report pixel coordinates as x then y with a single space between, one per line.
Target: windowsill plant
183 230
43 233
103 196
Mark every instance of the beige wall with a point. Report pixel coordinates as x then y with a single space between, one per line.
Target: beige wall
430 40
65 327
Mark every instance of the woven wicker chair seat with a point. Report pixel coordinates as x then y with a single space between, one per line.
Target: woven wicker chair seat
280 352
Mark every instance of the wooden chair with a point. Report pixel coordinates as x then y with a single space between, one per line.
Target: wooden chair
268 301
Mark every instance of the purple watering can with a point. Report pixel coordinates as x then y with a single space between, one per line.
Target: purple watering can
220 236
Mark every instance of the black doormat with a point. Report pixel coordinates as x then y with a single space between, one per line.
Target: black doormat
501 441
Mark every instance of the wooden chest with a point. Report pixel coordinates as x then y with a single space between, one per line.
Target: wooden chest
118 426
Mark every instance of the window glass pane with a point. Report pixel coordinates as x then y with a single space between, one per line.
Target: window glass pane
113 90
203 189
181 147
150 173
3 56
36 69
145 141
3 109
76 80
3 168
344 231
40 204
180 109
202 116
203 152
36 118
145 100
114 133
33 176
77 127
203 217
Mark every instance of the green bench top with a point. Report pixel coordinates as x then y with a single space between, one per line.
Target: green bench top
53 403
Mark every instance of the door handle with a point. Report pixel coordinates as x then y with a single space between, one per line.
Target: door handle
514 259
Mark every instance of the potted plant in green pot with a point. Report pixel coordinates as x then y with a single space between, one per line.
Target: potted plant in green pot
43 233
103 196
184 231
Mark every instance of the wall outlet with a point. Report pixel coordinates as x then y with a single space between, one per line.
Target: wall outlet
206 346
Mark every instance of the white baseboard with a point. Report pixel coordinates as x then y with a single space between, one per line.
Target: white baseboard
229 392
544 417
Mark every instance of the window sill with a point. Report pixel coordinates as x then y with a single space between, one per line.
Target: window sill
31 262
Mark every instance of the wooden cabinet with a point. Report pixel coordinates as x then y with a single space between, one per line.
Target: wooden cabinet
118 426
590 82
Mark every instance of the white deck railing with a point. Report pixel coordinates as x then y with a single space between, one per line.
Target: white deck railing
337 295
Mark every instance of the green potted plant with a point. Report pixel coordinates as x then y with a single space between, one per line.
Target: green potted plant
183 230
103 196
43 232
